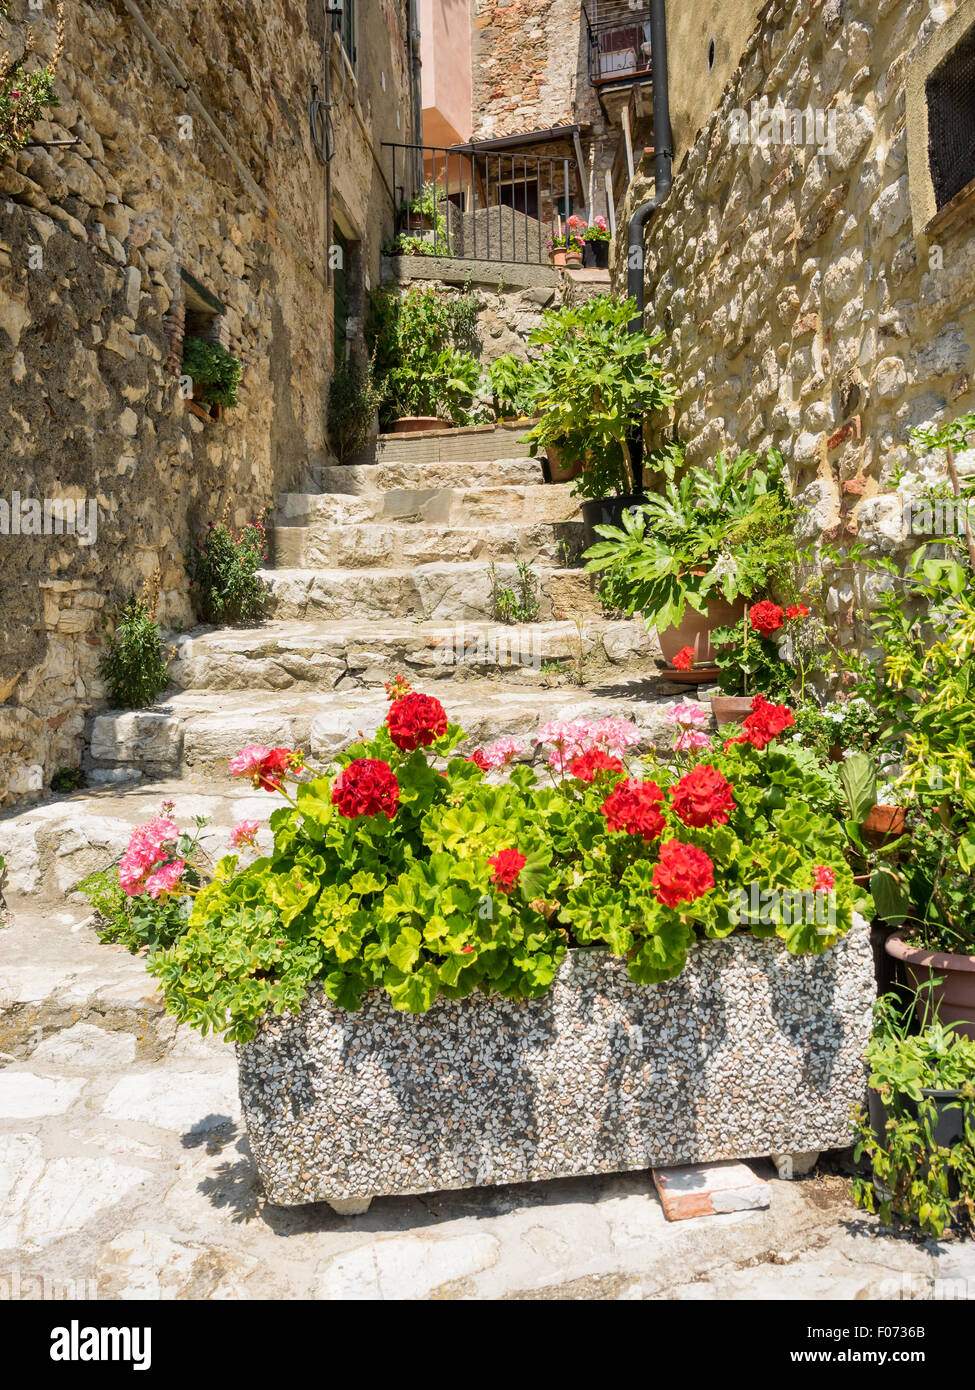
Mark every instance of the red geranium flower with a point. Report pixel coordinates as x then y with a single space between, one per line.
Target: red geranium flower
825 879
764 724
766 618
703 797
586 765
684 659
684 874
397 688
415 721
635 807
367 787
479 760
797 610
507 865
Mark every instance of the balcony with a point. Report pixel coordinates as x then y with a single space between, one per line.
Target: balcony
619 44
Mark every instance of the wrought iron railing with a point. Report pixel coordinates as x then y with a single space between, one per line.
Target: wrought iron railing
480 204
619 49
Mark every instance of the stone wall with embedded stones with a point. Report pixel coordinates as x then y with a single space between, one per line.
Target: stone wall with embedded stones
511 299
804 308
179 152
530 64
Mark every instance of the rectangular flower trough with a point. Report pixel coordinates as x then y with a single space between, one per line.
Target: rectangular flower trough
749 1052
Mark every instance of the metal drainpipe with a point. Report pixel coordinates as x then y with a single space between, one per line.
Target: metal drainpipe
663 157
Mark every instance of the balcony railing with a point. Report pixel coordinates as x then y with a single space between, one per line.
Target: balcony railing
619 49
480 205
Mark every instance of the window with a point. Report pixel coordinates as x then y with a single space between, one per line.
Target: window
951 121
343 22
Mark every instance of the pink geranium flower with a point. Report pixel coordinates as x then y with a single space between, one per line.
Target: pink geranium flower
244 835
165 880
615 735
690 739
688 714
503 751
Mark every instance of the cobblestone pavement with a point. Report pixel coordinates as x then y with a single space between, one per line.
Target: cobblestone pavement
125 1173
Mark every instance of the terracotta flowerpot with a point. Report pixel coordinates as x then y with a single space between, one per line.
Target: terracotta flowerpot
695 631
559 472
416 424
573 260
558 258
731 709
955 995
887 822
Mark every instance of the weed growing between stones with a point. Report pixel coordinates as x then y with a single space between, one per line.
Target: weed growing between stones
223 572
134 667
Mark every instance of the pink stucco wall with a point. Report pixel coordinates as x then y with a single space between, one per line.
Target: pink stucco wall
445 51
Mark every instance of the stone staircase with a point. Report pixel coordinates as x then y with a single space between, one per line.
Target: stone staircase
383 569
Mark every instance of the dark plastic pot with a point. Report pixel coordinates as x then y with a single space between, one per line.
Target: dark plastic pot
607 511
595 255
949 1128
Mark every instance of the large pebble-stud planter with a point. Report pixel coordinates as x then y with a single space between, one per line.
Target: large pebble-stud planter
749 1052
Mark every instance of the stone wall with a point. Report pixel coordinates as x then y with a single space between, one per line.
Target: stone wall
189 155
804 307
530 62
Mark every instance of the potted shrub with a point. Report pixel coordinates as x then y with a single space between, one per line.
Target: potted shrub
426 380
690 558
575 245
596 239
215 374
919 1133
924 687
528 920
598 382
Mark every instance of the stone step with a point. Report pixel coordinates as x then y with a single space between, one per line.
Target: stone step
524 505
347 654
196 733
357 480
377 544
50 847
441 592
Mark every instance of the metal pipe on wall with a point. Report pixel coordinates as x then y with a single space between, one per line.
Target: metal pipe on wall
663 158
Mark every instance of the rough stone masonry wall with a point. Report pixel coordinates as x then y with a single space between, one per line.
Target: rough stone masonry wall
193 154
530 64
800 308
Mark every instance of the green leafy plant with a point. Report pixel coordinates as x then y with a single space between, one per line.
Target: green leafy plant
518 605
515 384
426 205
134 665
67 780
223 572
213 368
353 399
915 1178
923 687
598 383
26 95
727 530
410 872
420 370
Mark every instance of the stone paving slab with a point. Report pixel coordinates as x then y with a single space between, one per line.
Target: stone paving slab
709 1189
124 1170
